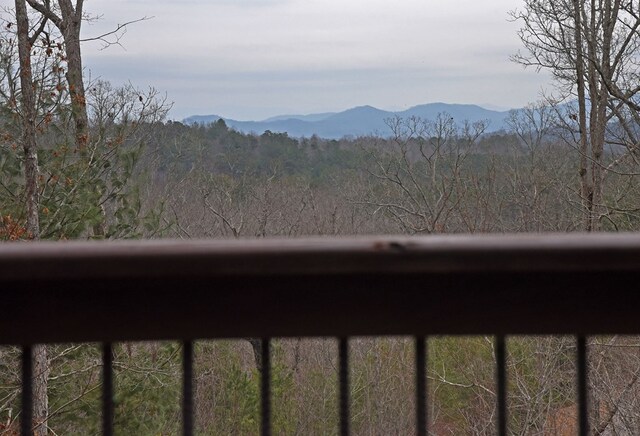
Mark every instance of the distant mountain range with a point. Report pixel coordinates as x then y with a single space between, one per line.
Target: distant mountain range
358 121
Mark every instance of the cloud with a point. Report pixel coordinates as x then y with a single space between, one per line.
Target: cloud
270 53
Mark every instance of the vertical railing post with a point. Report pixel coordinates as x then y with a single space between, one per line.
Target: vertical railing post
187 388
343 363
265 351
582 375
107 389
421 386
501 385
26 418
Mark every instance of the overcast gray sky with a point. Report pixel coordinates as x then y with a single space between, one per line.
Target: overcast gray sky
251 59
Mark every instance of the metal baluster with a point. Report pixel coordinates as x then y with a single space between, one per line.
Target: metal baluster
501 381
26 417
581 363
343 357
107 389
187 388
421 386
265 350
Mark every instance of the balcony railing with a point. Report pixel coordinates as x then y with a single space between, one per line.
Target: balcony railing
185 290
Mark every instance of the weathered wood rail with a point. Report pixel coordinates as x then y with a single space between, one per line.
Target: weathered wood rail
498 285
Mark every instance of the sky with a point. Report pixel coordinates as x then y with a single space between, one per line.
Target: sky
252 59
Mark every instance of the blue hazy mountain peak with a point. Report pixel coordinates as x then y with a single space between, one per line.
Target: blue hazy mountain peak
357 121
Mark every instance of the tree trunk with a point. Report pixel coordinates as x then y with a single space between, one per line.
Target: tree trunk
256 346
28 121
599 107
40 390
585 186
599 75
70 28
69 25
29 146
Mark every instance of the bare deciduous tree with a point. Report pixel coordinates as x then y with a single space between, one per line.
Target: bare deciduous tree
423 179
591 48
39 352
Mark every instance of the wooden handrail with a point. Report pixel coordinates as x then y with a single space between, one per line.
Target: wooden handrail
460 284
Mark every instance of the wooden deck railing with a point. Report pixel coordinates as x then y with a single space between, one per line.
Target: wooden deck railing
185 290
